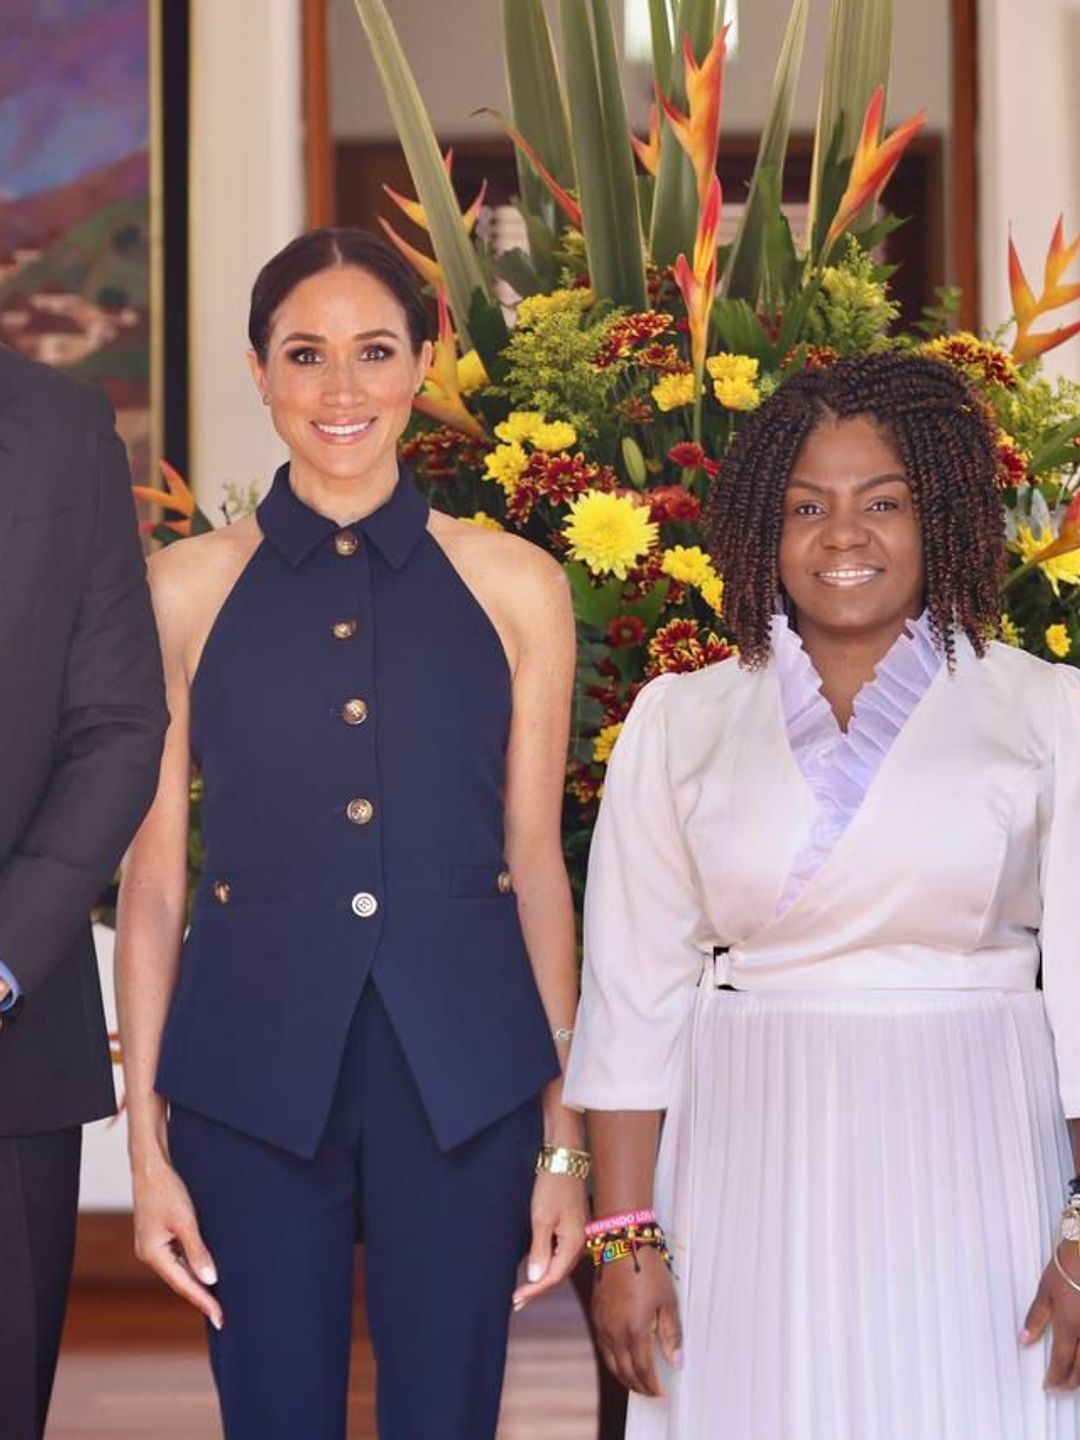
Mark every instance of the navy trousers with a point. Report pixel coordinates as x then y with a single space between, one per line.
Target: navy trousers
443 1235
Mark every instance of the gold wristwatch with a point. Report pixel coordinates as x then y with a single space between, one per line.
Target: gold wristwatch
561 1160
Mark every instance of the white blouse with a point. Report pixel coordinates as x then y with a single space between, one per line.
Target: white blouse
956 869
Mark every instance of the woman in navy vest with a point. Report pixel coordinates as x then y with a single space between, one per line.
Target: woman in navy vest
361 1031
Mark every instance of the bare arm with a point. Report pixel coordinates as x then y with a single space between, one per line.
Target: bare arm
543 624
149 932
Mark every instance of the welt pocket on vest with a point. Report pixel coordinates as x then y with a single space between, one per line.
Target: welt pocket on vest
481 882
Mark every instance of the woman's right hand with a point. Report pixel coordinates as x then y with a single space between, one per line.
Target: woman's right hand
632 1312
167 1237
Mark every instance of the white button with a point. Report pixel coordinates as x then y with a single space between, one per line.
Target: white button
364 905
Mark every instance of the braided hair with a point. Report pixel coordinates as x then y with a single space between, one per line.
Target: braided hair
943 438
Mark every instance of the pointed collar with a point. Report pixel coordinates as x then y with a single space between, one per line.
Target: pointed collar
296 530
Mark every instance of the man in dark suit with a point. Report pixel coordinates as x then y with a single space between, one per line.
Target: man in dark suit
82 717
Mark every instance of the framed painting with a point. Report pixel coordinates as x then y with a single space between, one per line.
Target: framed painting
83 126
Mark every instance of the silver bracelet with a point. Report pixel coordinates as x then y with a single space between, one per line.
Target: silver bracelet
561 1035
1064 1273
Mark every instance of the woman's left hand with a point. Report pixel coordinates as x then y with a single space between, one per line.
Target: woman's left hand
1058 1304
558 1234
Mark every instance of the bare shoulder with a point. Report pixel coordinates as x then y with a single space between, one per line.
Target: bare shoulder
190 580
514 564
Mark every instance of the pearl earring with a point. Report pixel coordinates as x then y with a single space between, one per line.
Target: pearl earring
266 399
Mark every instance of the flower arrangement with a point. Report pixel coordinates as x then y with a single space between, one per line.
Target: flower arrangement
594 417
596 421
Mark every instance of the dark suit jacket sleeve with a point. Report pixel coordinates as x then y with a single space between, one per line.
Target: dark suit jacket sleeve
108 742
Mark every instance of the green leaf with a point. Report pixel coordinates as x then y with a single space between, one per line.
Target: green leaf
662 44
1057 449
745 272
649 607
856 63
741 330
487 327
537 105
675 199
453 248
795 315
517 269
604 158
595 605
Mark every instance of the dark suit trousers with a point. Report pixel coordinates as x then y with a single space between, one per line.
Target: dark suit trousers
443 1233
39 1189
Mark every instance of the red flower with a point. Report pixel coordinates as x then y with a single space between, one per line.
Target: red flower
711 468
624 631
688 455
673 503
635 411
557 478
678 647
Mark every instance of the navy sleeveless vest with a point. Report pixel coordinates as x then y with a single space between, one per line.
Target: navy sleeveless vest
349 716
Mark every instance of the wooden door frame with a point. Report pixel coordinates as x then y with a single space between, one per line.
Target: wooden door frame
318 139
965 158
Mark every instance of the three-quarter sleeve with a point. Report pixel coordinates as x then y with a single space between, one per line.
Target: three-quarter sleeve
1060 932
641 914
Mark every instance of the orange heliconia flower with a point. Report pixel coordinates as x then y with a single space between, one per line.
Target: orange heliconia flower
562 197
873 163
1027 308
648 151
441 397
697 283
176 496
428 269
698 131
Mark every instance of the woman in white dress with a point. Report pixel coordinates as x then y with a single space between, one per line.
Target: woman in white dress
822 884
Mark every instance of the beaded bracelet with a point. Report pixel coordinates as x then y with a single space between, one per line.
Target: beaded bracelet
619 1222
625 1242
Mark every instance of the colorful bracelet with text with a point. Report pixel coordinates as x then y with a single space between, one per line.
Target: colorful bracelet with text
624 1242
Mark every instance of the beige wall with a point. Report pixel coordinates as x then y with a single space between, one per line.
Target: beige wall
246 202
455 50
1029 146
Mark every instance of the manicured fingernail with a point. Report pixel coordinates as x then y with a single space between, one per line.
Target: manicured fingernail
208 1275
676 1360
534 1270
518 1305
216 1322
1025 1337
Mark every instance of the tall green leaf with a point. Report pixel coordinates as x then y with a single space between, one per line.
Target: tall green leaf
604 158
746 267
675 199
536 104
453 248
856 62
660 19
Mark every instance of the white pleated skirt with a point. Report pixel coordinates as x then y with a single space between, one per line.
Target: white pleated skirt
861 1191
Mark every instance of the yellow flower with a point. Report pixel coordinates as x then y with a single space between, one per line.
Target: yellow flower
471 374
671 391
733 367
736 394
534 306
484 520
1059 567
519 426
712 592
688 564
552 436
1010 632
604 743
1058 640
505 464
608 533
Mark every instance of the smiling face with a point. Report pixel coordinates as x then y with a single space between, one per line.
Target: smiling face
851 558
339 375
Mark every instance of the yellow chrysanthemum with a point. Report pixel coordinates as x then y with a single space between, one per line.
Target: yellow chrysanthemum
533 306
737 393
1059 567
553 436
671 391
505 464
1058 640
1010 632
471 375
519 426
733 367
608 533
688 564
712 592
604 743
484 520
